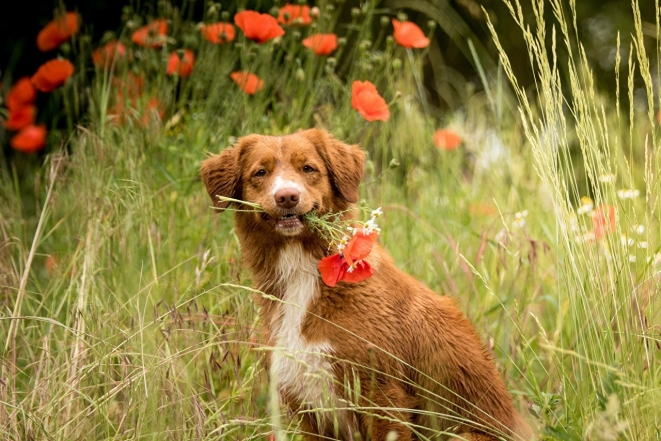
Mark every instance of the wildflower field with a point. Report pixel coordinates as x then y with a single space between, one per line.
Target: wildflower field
124 310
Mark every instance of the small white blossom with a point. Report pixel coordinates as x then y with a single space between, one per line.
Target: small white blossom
376 213
343 243
642 245
627 193
520 219
589 237
586 206
638 229
607 178
632 259
370 227
626 241
573 223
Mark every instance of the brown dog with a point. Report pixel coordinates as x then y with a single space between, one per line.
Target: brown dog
379 356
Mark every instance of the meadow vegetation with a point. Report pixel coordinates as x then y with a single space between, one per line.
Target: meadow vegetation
125 311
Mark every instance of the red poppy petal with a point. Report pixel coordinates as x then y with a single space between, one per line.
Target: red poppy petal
359 246
361 271
332 268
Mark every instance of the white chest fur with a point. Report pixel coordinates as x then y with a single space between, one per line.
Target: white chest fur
301 368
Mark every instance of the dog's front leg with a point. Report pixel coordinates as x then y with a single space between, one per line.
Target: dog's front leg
393 413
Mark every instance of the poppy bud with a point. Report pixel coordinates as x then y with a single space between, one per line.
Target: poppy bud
431 24
401 16
274 11
385 21
390 41
300 74
314 12
296 35
225 16
330 8
341 41
396 64
332 61
394 163
355 12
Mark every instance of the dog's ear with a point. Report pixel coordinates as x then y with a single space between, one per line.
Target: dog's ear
345 162
221 174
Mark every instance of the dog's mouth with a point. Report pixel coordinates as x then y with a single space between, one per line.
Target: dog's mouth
289 222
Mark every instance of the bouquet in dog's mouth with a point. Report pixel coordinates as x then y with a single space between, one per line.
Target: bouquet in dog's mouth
349 264
354 244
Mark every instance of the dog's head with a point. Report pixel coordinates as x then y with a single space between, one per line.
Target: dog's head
288 176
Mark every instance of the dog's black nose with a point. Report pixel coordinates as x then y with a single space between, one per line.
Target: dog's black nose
287 198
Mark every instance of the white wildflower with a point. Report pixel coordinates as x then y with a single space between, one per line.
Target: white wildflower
343 243
520 219
632 259
376 213
607 179
586 206
589 237
642 245
627 193
370 227
626 241
638 229
573 223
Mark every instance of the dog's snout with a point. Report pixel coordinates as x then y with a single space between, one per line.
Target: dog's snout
287 197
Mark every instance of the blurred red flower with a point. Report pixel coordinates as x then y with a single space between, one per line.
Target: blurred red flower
294 14
58 31
21 94
52 74
408 34
151 35
30 139
218 33
106 55
349 265
603 220
447 139
367 101
258 27
20 117
248 82
321 44
183 66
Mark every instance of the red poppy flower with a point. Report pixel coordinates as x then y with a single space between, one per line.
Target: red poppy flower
110 53
21 93
248 82
294 14
349 265
367 101
52 74
321 44
408 34
154 110
151 35
30 139
447 139
258 27
218 33
603 220
183 66
58 31
20 117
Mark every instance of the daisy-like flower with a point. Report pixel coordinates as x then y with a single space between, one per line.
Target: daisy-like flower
586 206
520 219
628 193
343 243
370 227
607 179
376 213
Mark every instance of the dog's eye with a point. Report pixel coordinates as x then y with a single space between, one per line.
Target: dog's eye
260 172
308 169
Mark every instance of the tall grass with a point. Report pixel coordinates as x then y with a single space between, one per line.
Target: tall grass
126 314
